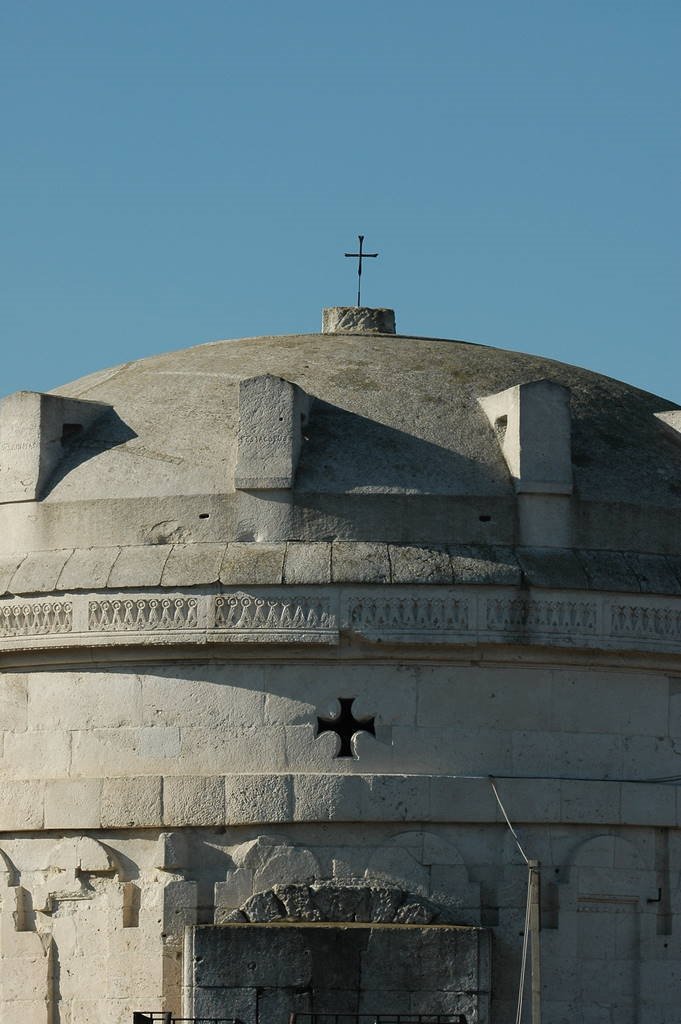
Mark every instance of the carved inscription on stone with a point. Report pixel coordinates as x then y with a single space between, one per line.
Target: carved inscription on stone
35 618
142 614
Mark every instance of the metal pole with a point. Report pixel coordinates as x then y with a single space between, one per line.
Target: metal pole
535 940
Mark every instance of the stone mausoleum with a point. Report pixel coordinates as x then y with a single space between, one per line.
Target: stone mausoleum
274 611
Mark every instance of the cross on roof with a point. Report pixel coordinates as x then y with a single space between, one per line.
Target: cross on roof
345 725
359 256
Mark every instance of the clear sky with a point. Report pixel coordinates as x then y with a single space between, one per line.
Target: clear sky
177 172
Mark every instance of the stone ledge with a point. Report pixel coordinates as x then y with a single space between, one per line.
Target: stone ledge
259 799
343 561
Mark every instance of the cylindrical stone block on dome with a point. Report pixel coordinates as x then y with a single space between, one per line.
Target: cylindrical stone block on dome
357 320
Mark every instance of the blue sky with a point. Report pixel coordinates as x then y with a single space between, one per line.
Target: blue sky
177 172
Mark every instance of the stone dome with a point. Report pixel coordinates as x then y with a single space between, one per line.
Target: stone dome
460 451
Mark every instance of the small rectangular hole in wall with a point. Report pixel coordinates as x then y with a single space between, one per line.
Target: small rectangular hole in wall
70 431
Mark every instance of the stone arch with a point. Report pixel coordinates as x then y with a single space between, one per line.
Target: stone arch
430 866
328 901
606 921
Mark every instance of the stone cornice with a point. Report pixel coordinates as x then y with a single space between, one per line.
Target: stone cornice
434 616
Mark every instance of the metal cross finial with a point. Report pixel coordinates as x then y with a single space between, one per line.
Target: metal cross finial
359 256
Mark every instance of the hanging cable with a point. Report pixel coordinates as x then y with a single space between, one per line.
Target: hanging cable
526 929
506 818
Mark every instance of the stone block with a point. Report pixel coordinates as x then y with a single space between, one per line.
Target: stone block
172 852
298 902
87 569
585 802
83 700
37 755
341 902
608 570
132 802
531 800
192 564
396 798
458 799
253 564
287 864
21 807
263 907
192 800
234 891
73 803
307 563
180 906
140 565
159 742
14 702
269 957
327 797
654 573
208 751
479 565
485 698
609 702
645 804
258 798
353 562
39 572
552 568
111 751
272 412
590 755
204 696
8 567
411 564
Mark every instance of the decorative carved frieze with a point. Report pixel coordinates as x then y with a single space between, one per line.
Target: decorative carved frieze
248 616
142 614
641 621
34 618
387 614
516 614
410 615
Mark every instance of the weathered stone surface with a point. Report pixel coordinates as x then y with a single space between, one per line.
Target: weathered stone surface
39 572
73 803
608 570
383 904
87 569
307 563
360 563
411 564
191 800
192 564
8 567
139 565
253 564
21 806
548 567
262 907
358 320
412 912
256 798
272 413
341 902
480 565
298 902
131 802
